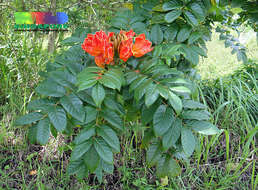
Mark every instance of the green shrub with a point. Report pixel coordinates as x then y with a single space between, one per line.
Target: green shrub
94 105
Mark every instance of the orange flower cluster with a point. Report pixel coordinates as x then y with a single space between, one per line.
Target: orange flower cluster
103 46
99 46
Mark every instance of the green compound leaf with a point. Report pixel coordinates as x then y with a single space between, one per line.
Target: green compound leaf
80 149
43 131
91 159
110 137
148 112
172 135
73 105
32 134
171 32
109 168
103 150
203 127
180 89
175 102
197 115
87 132
172 15
162 120
194 37
57 117
40 104
168 167
199 51
151 95
188 141
91 114
98 94
171 5
113 118
184 33
193 104
113 79
197 11
153 154
75 167
163 91
64 78
28 118
50 88
190 18
156 34
88 77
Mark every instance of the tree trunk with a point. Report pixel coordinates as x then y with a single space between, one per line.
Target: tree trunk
52 34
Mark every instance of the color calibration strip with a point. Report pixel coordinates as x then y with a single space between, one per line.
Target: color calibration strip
40 18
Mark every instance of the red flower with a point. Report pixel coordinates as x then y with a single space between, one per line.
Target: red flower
100 46
129 34
125 40
138 49
100 61
125 49
141 46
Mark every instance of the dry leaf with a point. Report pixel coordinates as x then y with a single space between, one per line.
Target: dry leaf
33 172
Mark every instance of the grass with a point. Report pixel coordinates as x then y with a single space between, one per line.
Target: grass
224 161
220 62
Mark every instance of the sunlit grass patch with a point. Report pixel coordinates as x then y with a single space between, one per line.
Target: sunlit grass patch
220 61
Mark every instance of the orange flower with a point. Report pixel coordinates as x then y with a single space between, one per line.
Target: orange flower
129 34
126 44
125 49
141 46
100 60
100 46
